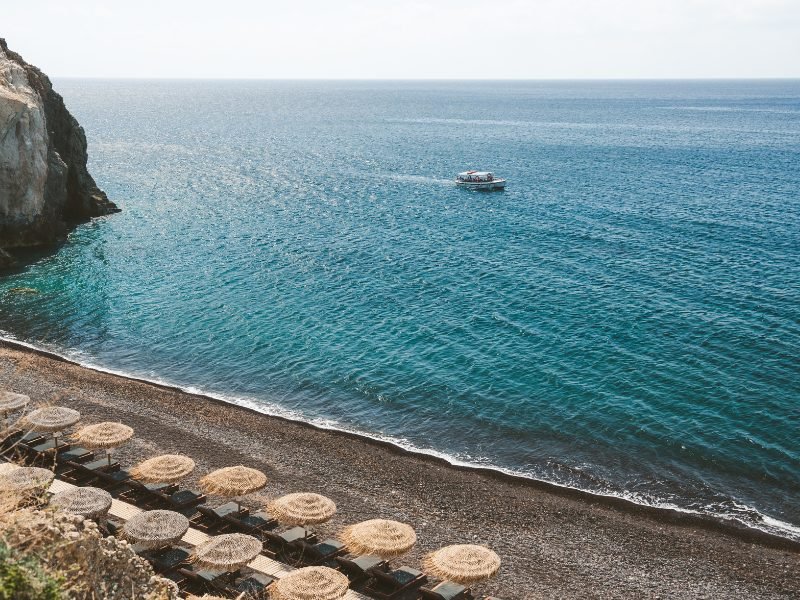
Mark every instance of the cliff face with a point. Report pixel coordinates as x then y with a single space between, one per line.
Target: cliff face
44 184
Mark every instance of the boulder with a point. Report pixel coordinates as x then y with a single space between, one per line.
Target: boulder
45 187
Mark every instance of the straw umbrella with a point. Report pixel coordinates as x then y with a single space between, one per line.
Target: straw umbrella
462 563
26 480
167 468
302 509
227 552
233 482
380 537
155 528
87 502
52 419
105 436
9 402
310 583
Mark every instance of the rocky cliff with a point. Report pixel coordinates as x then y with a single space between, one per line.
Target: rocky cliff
44 184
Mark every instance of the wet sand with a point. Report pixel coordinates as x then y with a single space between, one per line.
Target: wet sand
554 543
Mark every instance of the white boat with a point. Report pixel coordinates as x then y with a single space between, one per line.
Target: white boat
480 180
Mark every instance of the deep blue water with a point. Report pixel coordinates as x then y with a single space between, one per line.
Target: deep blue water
624 318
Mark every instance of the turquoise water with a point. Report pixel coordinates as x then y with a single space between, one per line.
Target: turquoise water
624 318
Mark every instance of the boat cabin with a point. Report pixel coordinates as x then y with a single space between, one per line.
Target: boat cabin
475 176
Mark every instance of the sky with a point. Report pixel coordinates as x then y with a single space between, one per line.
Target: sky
414 39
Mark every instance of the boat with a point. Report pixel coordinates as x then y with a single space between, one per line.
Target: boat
480 180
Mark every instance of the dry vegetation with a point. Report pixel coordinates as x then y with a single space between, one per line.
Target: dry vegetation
73 553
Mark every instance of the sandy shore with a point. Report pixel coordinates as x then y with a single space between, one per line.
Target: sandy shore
554 544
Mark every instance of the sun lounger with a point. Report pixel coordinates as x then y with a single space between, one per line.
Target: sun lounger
167 559
147 494
357 569
323 553
111 481
279 543
11 438
254 524
32 438
96 466
253 586
298 533
48 447
75 454
388 585
205 579
184 499
446 590
231 509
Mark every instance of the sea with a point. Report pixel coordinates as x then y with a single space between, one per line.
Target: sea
623 319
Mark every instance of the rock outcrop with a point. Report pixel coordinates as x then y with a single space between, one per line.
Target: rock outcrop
44 184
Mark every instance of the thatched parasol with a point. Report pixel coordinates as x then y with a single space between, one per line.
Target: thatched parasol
227 552
167 468
105 436
310 583
155 528
302 509
52 419
7 467
233 482
380 537
88 502
462 563
26 480
9 402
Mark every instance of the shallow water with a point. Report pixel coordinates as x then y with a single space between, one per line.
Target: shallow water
624 318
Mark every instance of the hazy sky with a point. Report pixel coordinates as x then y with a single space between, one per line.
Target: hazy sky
412 39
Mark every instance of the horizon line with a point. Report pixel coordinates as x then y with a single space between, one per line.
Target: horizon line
432 79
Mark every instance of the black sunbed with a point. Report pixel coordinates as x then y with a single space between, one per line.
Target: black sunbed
323 553
446 590
388 585
253 586
167 559
357 568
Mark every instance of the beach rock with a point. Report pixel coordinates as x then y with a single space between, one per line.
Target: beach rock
45 187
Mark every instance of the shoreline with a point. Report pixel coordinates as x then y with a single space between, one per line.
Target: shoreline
554 541
668 514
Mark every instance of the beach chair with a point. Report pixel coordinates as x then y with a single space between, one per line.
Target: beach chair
74 454
279 543
357 569
11 438
167 559
32 438
94 467
252 586
389 585
147 494
113 481
218 518
49 446
446 590
206 580
311 555
183 499
253 524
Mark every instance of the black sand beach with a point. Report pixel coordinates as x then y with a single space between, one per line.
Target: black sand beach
554 543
